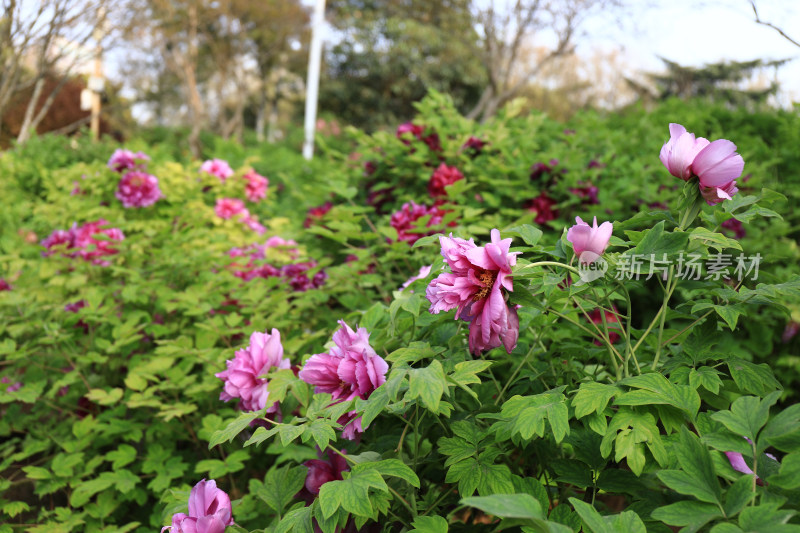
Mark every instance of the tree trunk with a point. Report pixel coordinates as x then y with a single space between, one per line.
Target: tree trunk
272 136
261 116
27 122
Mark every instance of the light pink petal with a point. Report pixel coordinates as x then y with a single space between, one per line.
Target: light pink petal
718 164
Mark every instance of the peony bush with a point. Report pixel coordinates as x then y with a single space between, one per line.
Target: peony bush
420 333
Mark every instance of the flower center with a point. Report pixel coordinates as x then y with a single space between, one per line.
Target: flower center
487 278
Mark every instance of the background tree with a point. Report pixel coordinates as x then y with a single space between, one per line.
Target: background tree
390 52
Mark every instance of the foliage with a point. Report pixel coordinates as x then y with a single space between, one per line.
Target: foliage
623 423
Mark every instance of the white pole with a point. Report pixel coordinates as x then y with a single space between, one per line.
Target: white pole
312 83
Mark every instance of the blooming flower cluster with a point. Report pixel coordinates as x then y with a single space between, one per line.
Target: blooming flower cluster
123 159
295 273
315 214
209 511
82 241
474 288
256 187
407 131
350 370
217 167
403 221
227 208
544 208
138 189
441 178
242 376
716 164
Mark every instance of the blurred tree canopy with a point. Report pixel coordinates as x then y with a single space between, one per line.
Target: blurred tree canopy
392 51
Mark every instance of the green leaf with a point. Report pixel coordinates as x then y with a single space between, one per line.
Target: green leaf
429 524
12 509
627 521
789 475
297 521
279 486
767 518
739 495
692 514
629 432
529 234
351 494
718 241
413 353
705 377
261 434
506 505
122 456
104 397
685 483
783 430
391 467
592 397
525 415
656 389
428 384
234 427
695 460
752 378
748 415
322 433
288 433
466 373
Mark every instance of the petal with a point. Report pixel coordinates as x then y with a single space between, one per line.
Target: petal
718 164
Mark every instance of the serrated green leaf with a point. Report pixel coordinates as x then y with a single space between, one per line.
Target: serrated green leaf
506 505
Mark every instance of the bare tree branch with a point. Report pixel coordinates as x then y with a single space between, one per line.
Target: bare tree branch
770 25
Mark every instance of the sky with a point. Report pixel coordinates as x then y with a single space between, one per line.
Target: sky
693 33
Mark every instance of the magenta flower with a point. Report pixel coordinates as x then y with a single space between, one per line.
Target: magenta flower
217 167
351 369
4 285
474 289
403 221
474 146
229 207
315 214
252 222
14 387
588 241
243 376
679 152
441 178
90 248
138 189
209 511
321 471
125 159
59 240
256 188
544 208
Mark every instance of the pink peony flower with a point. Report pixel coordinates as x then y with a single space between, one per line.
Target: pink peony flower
90 248
352 368
403 221
589 242
243 374
423 273
125 159
736 227
441 178
351 426
540 169
587 192
209 511
217 167
679 152
321 471
611 319
4 285
252 222
256 188
716 164
415 131
138 189
475 289
229 207
473 146
59 239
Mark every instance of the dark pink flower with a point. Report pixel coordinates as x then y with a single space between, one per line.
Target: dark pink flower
714 195
138 189
540 169
351 369
611 319
256 188
736 227
321 471
243 376
59 240
92 248
544 207
474 289
441 178
315 214
792 328
252 222
403 131
124 159
229 207
217 167
14 387
351 426
423 273
587 192
404 221
473 146
4 285
209 511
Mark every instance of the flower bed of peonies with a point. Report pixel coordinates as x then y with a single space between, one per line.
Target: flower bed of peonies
424 334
